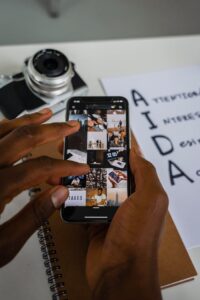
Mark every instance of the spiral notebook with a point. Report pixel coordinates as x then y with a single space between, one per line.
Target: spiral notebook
64 247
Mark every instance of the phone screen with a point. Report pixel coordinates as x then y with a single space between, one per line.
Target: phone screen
102 142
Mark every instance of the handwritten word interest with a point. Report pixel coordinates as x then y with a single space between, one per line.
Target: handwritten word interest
183 118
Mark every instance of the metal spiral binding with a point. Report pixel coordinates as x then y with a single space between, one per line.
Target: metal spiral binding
51 262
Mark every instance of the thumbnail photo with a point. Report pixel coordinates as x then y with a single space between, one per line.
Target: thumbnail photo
96 178
96 158
116 111
117 159
78 112
115 197
77 156
97 120
97 140
78 140
75 181
116 178
116 130
77 197
96 197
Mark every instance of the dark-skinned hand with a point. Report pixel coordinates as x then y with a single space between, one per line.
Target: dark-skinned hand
122 257
17 138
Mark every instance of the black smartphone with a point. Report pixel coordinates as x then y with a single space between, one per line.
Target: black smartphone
103 143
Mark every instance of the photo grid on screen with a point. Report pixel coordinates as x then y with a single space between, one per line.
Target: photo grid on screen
101 142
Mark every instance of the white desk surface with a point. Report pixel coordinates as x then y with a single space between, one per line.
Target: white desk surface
24 278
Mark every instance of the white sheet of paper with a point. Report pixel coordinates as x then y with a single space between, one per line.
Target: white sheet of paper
171 100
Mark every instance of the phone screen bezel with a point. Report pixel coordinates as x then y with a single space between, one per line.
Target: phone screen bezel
88 214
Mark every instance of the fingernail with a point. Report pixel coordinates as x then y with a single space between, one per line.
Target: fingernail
45 111
73 123
59 196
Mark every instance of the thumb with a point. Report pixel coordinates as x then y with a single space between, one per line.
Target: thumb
142 170
42 206
15 232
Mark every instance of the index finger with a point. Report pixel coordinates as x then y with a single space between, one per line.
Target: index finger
39 117
26 138
35 171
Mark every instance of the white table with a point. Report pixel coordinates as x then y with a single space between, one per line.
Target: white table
24 278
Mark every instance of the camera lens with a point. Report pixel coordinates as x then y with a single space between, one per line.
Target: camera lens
48 74
51 63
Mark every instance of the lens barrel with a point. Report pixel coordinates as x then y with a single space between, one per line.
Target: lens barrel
48 74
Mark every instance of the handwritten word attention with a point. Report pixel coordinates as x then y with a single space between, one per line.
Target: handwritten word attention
175 97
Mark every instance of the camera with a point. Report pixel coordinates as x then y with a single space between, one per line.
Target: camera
47 79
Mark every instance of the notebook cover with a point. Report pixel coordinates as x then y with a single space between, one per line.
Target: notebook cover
71 243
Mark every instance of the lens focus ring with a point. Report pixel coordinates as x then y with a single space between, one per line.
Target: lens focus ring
49 73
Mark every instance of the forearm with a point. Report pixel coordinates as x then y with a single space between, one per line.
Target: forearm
132 281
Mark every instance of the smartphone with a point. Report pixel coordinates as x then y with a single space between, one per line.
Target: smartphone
103 143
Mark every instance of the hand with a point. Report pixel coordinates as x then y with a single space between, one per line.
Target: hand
112 181
17 138
122 258
123 175
99 121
